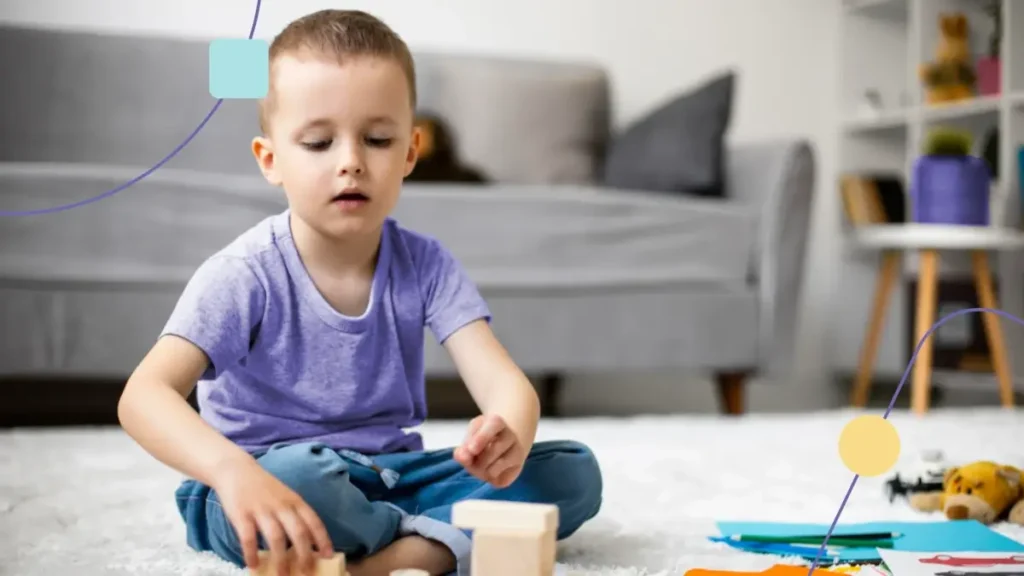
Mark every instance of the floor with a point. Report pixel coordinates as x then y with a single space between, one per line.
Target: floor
88 501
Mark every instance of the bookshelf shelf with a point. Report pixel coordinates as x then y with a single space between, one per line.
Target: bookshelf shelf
884 119
894 10
889 121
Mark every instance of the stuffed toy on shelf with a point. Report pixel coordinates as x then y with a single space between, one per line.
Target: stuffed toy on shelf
985 491
438 159
951 76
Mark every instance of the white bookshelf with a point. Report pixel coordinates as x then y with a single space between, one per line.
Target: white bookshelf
883 45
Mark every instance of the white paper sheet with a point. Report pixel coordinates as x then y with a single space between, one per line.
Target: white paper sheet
902 563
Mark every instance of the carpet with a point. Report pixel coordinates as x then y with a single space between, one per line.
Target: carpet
88 501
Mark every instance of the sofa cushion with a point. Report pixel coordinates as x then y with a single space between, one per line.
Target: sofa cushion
679 147
525 236
154 232
116 99
516 120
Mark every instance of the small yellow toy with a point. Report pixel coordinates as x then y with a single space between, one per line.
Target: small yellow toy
951 77
984 491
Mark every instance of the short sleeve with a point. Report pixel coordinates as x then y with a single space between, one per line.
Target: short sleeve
451 298
218 311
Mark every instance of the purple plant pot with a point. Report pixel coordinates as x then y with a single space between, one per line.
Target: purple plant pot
950 190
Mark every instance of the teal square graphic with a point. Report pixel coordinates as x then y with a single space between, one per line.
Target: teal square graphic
239 68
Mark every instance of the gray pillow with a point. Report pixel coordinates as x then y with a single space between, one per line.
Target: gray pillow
679 147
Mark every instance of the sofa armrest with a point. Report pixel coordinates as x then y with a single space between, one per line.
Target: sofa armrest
776 178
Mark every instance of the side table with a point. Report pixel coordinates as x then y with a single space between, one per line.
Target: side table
929 239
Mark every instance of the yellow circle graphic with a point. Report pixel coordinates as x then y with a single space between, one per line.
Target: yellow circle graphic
869 445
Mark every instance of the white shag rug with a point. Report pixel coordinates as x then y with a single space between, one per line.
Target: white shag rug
89 501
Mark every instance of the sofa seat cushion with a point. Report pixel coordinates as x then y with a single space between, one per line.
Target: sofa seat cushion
575 236
505 235
156 231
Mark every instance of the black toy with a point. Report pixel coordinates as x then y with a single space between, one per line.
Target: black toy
896 486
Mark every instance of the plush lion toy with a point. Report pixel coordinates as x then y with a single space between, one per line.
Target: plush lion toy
982 491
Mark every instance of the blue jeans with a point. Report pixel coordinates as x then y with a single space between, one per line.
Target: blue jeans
362 515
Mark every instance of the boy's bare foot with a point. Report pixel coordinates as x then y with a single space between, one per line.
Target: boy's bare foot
407 552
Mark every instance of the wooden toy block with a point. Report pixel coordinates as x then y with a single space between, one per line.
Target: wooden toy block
334 566
480 515
511 552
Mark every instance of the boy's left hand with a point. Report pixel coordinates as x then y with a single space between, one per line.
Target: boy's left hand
491 451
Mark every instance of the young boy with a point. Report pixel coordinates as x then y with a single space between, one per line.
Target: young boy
305 337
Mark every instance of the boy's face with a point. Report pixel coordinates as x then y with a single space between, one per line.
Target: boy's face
340 141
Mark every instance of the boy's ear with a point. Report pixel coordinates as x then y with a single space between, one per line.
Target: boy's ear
263 150
413 153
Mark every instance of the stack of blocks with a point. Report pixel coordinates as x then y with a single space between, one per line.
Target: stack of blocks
509 539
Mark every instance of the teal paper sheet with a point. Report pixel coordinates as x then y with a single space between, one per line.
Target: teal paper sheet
943 536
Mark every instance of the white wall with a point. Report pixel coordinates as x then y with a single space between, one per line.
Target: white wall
785 51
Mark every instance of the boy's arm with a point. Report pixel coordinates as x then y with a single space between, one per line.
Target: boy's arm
209 331
498 441
154 411
493 379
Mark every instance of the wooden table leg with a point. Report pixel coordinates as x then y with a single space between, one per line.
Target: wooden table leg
927 297
888 274
993 330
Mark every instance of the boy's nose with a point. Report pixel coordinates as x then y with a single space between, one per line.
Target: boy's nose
350 163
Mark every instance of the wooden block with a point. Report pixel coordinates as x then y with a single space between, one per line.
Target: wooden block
504 515
510 552
334 566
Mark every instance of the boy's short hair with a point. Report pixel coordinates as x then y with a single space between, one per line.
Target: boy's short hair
339 34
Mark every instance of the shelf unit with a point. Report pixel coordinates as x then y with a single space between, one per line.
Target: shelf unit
884 43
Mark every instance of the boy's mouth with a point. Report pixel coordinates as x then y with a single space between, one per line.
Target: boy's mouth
349 197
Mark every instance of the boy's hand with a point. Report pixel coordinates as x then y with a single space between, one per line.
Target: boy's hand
257 503
491 451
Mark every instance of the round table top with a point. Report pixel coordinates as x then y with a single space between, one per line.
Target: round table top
938 237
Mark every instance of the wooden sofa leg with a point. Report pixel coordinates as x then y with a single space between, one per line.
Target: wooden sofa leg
550 400
732 387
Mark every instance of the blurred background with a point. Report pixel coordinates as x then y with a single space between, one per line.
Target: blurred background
647 191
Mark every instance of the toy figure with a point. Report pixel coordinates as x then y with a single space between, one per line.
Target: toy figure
951 77
438 158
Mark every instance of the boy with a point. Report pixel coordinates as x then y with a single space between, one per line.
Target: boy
305 337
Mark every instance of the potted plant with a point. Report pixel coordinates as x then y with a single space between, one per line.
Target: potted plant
990 66
949 185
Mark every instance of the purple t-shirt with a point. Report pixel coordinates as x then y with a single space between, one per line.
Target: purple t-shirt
286 367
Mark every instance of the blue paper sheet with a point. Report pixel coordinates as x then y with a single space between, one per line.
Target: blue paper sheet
806 551
944 536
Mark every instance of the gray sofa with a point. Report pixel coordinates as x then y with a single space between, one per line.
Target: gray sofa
581 277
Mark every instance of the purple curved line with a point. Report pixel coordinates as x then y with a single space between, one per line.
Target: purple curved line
892 403
154 168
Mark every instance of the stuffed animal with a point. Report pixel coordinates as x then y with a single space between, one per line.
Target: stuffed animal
951 76
437 158
984 491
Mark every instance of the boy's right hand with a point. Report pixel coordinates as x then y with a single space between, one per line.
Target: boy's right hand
256 502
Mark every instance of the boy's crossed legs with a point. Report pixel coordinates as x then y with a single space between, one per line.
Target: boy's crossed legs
409 523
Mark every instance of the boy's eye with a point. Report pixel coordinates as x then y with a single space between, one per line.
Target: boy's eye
378 142
318 145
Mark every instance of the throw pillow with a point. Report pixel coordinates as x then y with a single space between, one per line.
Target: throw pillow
678 147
